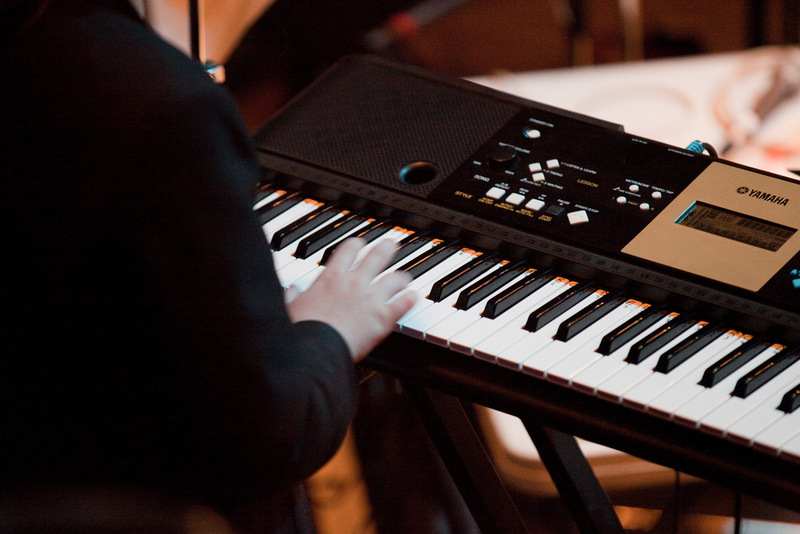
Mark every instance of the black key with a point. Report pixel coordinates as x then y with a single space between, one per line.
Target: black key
559 305
689 347
303 226
262 192
430 259
660 338
766 372
733 361
485 287
325 236
410 245
514 294
631 328
588 316
369 234
791 400
462 276
277 206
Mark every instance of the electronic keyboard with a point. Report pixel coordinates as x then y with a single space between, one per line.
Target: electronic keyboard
637 294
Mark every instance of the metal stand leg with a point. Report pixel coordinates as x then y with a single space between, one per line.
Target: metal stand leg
468 462
575 480
465 457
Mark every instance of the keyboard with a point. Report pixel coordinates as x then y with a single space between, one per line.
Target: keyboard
642 295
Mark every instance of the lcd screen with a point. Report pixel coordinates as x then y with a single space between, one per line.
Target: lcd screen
735 226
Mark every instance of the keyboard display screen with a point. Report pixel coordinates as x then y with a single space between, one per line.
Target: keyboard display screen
736 226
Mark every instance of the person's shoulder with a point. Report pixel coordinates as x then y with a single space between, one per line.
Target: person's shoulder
101 59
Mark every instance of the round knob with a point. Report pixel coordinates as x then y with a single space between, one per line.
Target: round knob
503 157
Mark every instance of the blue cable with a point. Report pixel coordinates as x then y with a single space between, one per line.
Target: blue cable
701 147
696 146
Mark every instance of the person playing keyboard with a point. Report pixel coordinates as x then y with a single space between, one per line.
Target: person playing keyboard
146 341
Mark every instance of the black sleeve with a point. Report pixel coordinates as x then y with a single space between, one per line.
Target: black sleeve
146 331
285 392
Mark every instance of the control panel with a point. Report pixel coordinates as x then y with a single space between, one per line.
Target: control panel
562 177
606 190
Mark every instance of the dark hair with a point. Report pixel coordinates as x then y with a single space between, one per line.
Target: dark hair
16 15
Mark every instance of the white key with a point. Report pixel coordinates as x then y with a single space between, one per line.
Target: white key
284 257
533 344
396 234
424 283
774 436
269 198
293 271
417 325
598 372
488 336
297 267
694 409
441 332
686 387
292 214
563 371
629 376
734 409
791 449
691 370
760 417
558 352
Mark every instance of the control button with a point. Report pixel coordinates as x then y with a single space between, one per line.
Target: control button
622 200
555 210
552 164
503 157
644 206
535 167
656 195
531 132
633 188
496 193
577 217
535 204
515 199
538 177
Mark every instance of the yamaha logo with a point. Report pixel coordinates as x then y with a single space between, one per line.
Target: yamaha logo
763 195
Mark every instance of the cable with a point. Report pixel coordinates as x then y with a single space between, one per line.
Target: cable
702 148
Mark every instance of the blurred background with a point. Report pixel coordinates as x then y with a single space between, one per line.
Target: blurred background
386 478
296 39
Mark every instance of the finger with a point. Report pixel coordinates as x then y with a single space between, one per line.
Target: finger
291 293
378 258
400 304
345 255
391 284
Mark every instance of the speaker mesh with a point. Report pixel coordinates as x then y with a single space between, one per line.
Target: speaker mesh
367 119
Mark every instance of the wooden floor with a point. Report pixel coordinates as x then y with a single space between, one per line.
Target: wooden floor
338 495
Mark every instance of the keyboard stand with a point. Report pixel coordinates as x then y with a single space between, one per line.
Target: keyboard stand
448 424
545 407
573 477
443 403
452 430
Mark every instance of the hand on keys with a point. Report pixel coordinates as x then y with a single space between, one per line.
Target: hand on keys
347 296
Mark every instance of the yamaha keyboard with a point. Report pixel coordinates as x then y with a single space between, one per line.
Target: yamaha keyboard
636 294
